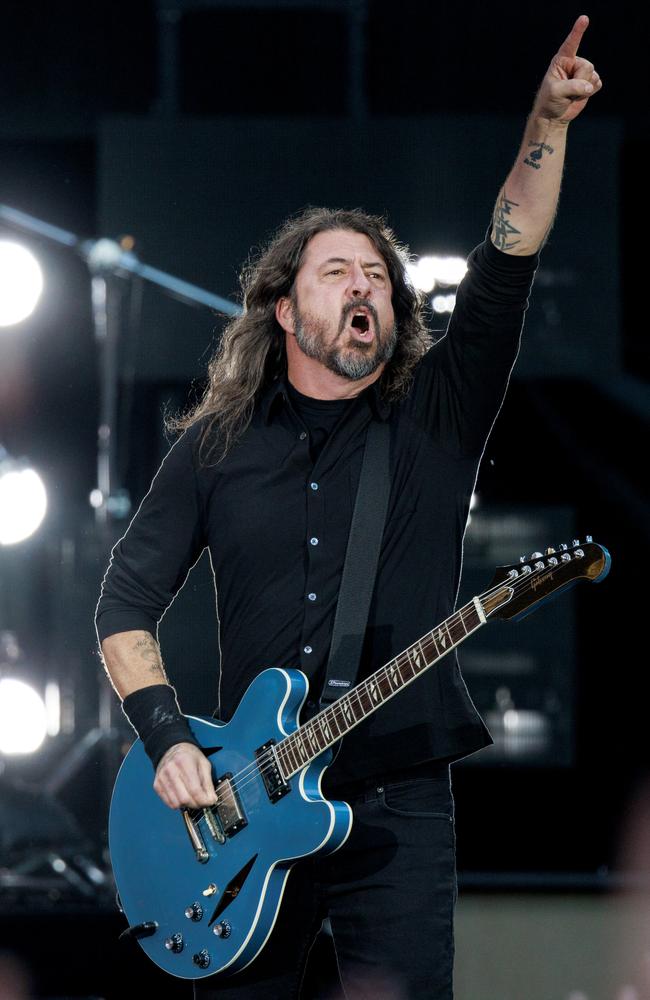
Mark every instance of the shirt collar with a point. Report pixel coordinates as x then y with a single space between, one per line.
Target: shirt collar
275 396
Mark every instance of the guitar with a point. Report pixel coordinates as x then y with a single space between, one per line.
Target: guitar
202 888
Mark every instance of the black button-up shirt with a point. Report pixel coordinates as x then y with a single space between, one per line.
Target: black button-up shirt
277 525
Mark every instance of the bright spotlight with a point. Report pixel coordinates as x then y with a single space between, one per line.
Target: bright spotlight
429 271
443 303
23 717
23 501
21 283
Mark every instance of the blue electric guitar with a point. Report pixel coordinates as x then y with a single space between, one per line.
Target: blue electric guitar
202 888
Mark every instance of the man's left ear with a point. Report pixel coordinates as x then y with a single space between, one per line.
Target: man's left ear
284 313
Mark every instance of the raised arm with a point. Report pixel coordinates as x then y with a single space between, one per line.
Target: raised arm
527 202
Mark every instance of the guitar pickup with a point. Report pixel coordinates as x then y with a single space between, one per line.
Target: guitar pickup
274 781
229 808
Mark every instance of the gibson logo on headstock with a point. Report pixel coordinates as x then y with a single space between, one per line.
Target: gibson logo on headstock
537 581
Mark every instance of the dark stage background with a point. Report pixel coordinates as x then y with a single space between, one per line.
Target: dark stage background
197 142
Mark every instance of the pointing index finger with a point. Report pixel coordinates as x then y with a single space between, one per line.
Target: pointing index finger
569 46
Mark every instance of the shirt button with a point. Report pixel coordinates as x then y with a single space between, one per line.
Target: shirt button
307 649
313 541
314 486
312 597
303 435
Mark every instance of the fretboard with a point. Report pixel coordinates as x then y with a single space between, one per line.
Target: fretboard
333 722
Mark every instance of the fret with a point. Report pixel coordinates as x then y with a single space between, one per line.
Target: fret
459 615
363 705
451 640
283 760
349 717
325 728
417 657
383 681
441 640
405 661
431 653
394 676
374 691
364 699
470 612
297 738
457 629
294 765
334 721
315 746
321 739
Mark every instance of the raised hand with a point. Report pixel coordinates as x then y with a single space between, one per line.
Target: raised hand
569 81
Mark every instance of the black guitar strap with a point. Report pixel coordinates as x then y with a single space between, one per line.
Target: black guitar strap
360 567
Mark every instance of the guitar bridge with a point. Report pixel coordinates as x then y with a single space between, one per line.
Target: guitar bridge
274 781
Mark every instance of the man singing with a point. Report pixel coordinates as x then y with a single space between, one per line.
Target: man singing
265 473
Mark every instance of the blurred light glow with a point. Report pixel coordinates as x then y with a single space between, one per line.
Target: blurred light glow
443 303
21 283
23 503
429 271
53 708
23 718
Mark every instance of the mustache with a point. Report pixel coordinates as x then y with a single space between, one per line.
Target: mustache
352 307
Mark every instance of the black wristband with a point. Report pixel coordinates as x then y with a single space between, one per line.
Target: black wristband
154 714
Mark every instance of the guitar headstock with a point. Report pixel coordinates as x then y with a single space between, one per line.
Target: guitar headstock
518 589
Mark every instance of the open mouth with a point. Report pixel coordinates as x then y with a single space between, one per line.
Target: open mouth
361 322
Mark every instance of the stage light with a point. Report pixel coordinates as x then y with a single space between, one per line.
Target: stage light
443 303
23 501
23 717
429 271
21 283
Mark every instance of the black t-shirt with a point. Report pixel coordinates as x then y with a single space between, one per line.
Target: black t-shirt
276 521
320 416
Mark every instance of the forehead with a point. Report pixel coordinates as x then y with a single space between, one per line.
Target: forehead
344 243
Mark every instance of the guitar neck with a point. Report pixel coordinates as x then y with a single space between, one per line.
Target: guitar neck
333 722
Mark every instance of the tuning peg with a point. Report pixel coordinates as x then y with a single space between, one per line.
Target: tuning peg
575 542
566 557
588 539
550 551
537 555
522 559
563 547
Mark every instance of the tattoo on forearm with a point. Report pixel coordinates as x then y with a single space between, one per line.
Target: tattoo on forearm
533 159
150 651
503 227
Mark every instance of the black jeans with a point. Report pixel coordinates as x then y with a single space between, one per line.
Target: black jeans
389 893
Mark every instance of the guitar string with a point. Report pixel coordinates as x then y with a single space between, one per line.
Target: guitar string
266 761
259 767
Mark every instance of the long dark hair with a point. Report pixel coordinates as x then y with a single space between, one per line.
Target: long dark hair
251 352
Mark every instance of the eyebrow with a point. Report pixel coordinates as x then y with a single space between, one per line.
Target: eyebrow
346 260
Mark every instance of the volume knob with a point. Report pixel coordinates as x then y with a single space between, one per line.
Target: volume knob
222 929
194 912
174 943
202 958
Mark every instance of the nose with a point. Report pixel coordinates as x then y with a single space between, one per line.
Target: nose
359 285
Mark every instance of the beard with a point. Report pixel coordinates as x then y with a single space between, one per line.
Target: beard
354 360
